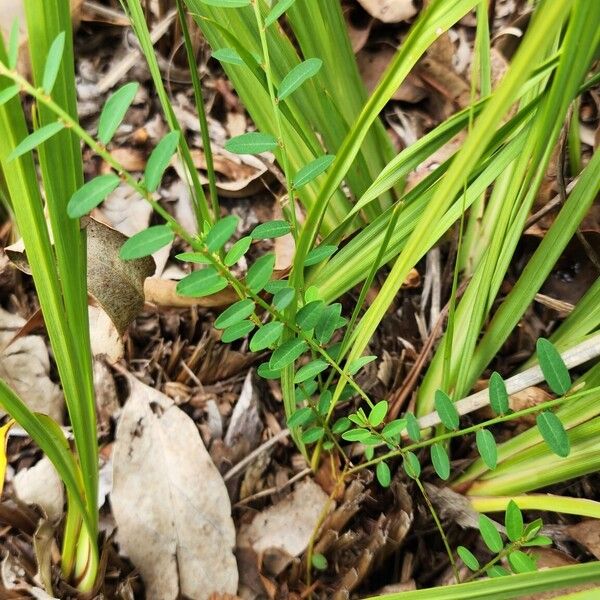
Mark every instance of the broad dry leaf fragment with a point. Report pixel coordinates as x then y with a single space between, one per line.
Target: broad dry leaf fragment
169 501
389 11
25 366
288 525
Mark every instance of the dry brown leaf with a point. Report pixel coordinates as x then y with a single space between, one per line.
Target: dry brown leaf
372 64
25 366
288 525
587 533
390 11
169 501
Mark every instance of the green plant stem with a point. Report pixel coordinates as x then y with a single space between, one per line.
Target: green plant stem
290 209
204 131
438 524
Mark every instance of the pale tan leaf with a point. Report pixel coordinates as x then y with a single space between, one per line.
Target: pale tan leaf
169 502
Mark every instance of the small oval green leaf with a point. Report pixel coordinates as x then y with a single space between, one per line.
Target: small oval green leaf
297 76
356 365
468 558
287 353
308 316
554 433
228 56
312 170
114 111
237 251
312 435
159 160
440 461
237 331
266 336
146 242
260 273
201 283
235 313
446 410
53 60
91 194
486 446
521 563
279 9
378 413
271 229
498 394
310 370
283 297
553 367
220 232
319 254
34 139
412 427
300 417
411 465
513 521
384 476
328 323
490 534
251 143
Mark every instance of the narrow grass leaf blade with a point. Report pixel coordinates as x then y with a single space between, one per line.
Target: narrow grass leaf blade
513 521
553 367
310 370
53 61
9 93
279 9
221 232
287 353
272 229
114 111
554 433
13 45
312 170
159 160
298 75
251 143
35 139
227 3
498 394
201 283
490 534
446 410
3 458
440 461
91 194
236 312
486 446
146 242
266 336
